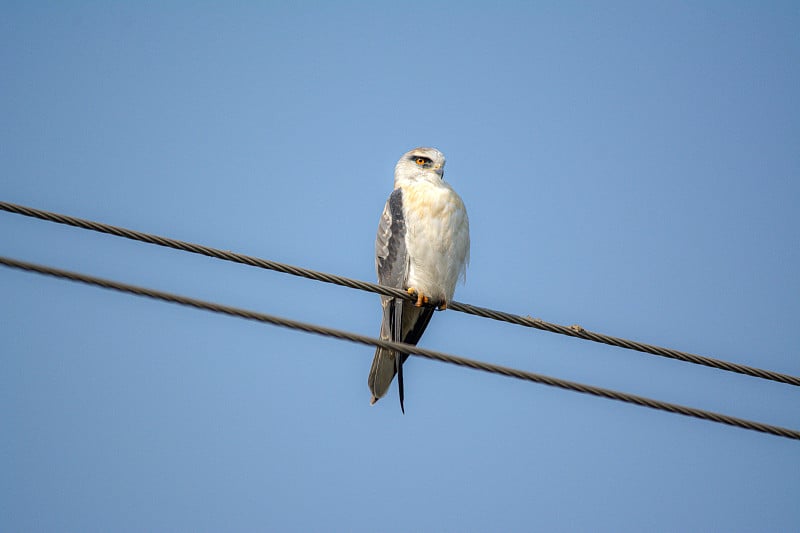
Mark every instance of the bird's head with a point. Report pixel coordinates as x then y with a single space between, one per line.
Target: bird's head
421 163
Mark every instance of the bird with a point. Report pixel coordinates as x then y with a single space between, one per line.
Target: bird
422 247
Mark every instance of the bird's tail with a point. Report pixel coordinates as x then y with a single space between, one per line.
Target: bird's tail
402 322
381 374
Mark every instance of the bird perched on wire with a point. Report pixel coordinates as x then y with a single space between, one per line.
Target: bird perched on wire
422 247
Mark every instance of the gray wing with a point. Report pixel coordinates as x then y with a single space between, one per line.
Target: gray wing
402 321
391 256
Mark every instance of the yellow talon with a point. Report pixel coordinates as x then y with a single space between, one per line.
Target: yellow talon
421 298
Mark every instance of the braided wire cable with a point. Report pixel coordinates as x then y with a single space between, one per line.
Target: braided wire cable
406 348
526 321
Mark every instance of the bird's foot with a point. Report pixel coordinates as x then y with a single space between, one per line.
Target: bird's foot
424 300
421 298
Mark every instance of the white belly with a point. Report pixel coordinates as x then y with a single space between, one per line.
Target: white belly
437 238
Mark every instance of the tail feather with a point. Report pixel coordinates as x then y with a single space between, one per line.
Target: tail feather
381 373
402 322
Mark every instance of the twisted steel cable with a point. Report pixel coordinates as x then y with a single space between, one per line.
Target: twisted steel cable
571 331
405 348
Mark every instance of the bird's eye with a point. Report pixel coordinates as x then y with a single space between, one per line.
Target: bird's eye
420 161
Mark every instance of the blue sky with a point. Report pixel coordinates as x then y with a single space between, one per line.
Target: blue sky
631 167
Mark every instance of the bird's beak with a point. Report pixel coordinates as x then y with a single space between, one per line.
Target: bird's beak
439 170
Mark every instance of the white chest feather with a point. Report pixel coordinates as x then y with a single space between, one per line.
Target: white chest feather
437 238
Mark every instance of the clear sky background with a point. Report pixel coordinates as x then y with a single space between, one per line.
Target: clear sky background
632 167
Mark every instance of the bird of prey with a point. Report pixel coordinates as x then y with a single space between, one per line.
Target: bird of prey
422 247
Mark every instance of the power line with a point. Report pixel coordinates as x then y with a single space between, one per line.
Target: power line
572 331
406 348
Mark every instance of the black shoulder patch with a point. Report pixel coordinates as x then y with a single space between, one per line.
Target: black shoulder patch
397 245
392 267
396 208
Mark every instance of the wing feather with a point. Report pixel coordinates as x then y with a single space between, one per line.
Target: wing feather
402 321
391 256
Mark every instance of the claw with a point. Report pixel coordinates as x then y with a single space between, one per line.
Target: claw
421 298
